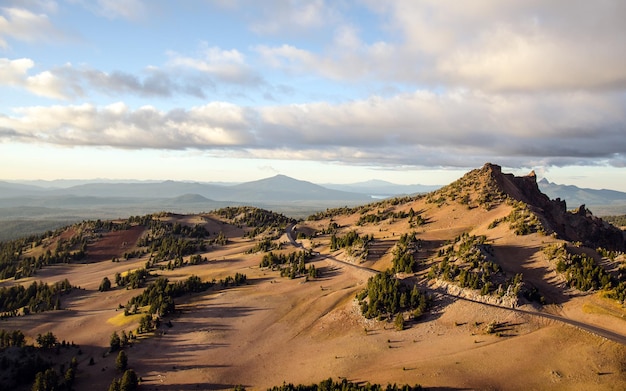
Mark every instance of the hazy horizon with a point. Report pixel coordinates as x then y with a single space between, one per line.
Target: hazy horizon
68 182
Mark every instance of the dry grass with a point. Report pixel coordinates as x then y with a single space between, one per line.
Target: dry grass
277 330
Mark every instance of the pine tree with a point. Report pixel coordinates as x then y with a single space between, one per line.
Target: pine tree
129 381
121 362
105 285
114 342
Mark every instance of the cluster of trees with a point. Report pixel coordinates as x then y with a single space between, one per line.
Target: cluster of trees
262 220
415 219
26 364
47 340
10 338
612 255
273 260
404 253
291 265
264 245
350 239
171 242
220 239
10 254
343 385
132 279
386 296
168 247
330 229
13 263
333 212
23 366
160 295
582 272
522 221
363 209
49 380
120 341
37 297
238 279
128 382
467 262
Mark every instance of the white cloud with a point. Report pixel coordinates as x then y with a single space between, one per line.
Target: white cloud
24 25
68 82
458 128
486 45
214 125
280 16
46 84
15 73
12 72
228 66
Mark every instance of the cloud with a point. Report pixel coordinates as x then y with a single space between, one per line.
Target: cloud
184 75
214 125
491 46
132 10
24 25
458 128
15 73
68 82
279 16
223 66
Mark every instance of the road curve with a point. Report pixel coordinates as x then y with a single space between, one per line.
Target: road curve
599 331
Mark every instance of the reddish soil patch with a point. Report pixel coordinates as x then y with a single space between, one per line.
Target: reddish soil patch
114 244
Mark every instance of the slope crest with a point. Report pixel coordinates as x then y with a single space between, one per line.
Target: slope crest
489 186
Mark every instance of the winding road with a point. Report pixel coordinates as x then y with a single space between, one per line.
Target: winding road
597 330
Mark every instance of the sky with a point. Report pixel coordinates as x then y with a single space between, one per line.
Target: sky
408 91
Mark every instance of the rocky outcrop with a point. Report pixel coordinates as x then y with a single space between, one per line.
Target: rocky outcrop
576 226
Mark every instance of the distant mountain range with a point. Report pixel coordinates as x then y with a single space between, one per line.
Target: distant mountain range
601 202
60 203
279 188
382 189
108 199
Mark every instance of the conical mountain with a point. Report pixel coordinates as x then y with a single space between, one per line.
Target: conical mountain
287 189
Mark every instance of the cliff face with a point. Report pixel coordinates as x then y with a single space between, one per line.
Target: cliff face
577 226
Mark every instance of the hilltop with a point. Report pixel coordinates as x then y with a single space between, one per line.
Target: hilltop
485 283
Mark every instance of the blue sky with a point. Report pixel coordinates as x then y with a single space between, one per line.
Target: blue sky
327 91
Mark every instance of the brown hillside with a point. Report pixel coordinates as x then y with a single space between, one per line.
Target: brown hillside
521 325
491 186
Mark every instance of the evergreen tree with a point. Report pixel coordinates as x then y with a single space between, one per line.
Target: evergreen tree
105 285
123 339
129 381
46 381
399 322
46 341
115 385
121 362
114 342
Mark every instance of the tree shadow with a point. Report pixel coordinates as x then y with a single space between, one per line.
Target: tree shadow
197 386
543 278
